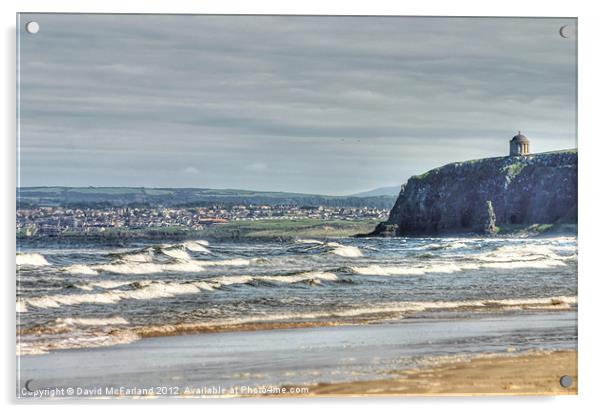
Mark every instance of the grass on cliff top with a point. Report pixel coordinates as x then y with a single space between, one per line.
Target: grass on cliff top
513 169
537 229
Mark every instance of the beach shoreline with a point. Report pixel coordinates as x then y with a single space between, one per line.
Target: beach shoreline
528 374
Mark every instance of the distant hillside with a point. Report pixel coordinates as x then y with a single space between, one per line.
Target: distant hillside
482 195
383 191
87 196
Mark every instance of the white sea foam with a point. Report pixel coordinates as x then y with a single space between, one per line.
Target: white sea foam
345 250
21 306
31 259
235 262
108 321
131 268
106 284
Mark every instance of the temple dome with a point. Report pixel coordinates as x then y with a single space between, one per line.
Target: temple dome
520 138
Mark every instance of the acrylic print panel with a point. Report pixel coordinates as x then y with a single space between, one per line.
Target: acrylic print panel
216 206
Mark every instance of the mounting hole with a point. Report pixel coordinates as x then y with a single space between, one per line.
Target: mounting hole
566 381
32 27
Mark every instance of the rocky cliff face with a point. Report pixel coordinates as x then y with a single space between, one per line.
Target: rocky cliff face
467 196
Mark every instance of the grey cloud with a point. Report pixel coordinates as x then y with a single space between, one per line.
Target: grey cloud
332 105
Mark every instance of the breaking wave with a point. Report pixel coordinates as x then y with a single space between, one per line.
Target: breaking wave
145 291
345 250
176 253
309 241
148 290
452 267
31 259
197 246
80 269
21 306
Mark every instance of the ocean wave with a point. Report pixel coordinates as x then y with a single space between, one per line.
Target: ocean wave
180 265
521 252
409 270
444 245
80 269
525 264
140 257
308 241
452 267
21 306
130 268
176 253
313 276
197 246
151 268
106 284
235 262
148 290
31 259
345 250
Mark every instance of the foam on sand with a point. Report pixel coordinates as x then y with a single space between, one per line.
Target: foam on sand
75 339
31 259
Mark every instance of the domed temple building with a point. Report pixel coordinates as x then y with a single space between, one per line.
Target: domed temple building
519 145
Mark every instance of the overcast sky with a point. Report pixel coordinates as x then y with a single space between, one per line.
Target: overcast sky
330 105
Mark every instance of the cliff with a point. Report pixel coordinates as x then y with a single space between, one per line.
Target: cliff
482 195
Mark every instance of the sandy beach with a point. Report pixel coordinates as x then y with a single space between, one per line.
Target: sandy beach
526 374
488 355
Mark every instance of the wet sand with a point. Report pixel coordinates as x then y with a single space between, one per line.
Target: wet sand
527 374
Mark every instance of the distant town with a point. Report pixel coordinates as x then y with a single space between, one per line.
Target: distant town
58 220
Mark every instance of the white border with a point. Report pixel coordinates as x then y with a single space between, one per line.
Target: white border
589 185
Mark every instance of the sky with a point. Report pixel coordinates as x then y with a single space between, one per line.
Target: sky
325 105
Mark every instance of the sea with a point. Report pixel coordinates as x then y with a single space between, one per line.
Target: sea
366 301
